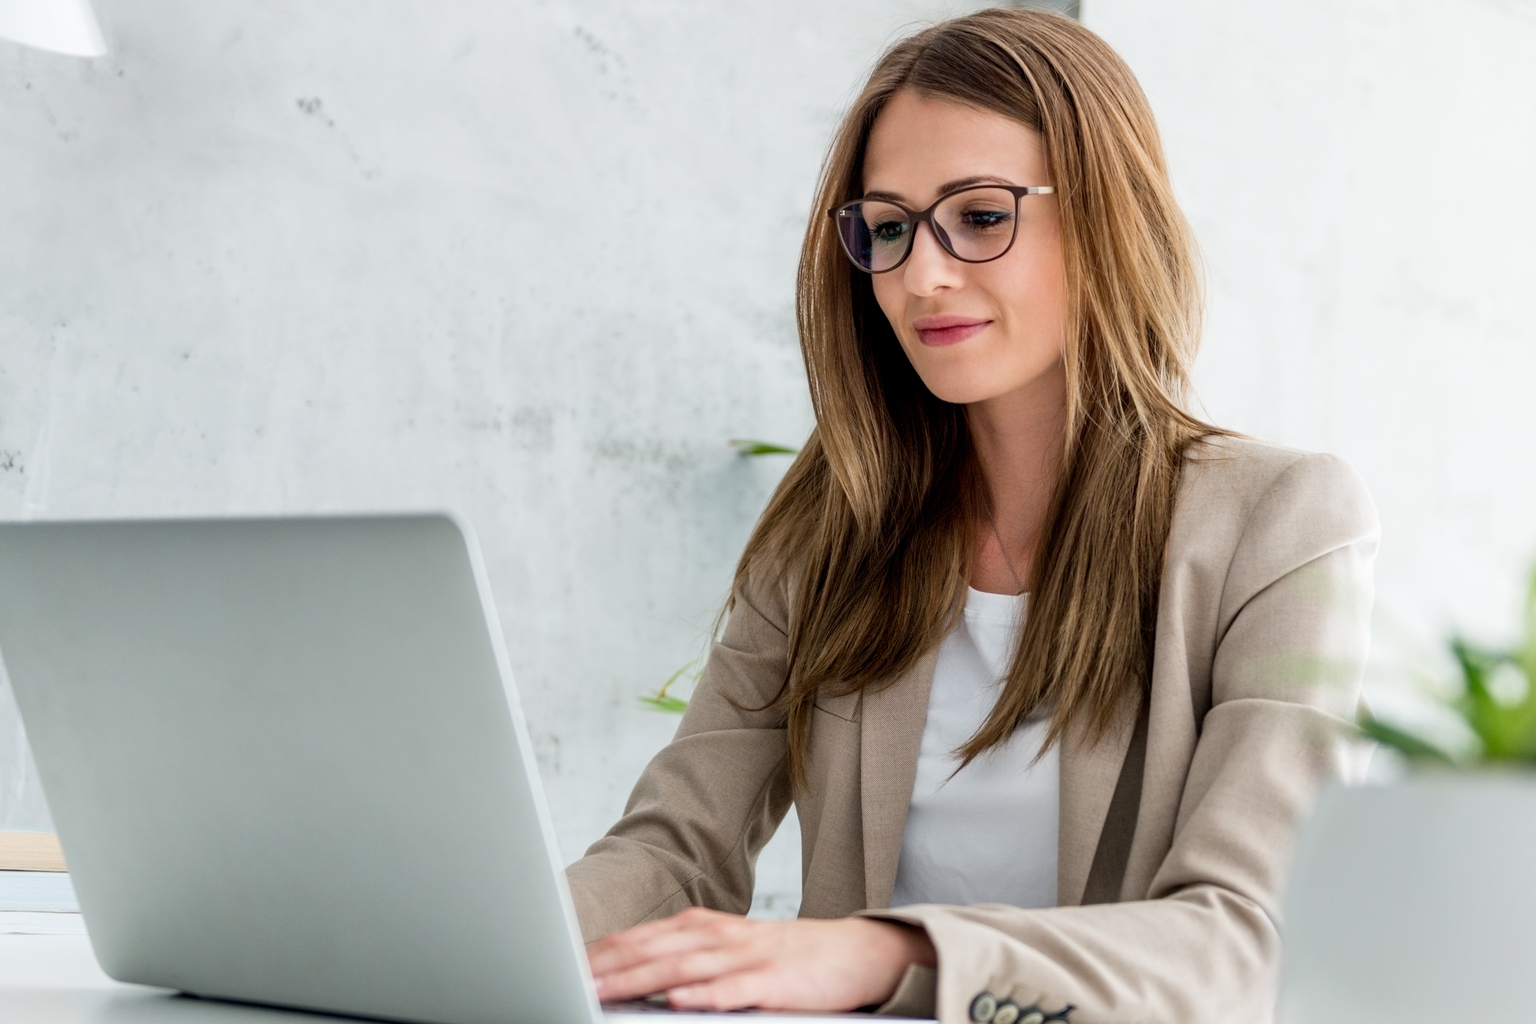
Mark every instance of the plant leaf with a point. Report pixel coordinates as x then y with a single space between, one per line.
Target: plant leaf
663 703
674 677
748 447
1527 651
1507 731
1404 743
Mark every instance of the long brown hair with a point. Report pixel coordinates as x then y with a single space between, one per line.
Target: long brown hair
873 529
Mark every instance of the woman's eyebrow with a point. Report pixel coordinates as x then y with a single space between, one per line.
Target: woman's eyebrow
946 188
978 179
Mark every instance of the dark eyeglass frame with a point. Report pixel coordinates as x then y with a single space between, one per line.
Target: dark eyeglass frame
917 217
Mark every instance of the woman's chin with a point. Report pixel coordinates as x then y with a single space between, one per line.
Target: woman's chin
982 380
964 392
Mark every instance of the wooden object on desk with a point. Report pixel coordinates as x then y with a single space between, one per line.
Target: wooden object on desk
31 851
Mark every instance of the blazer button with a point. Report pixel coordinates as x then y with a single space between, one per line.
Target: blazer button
1007 1013
1032 1016
983 1008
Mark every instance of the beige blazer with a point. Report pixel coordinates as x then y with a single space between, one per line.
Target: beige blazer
1262 630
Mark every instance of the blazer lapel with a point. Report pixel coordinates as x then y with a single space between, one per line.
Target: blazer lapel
1089 772
890 736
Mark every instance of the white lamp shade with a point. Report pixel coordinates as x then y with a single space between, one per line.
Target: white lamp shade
65 26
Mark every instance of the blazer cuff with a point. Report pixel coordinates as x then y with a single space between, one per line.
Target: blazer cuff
915 996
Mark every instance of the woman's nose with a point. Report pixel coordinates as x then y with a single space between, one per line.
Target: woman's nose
929 268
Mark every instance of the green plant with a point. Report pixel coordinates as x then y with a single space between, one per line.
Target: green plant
1496 700
661 700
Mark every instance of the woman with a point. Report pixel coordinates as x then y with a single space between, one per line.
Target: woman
1075 810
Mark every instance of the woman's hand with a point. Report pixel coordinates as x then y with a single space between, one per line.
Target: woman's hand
707 960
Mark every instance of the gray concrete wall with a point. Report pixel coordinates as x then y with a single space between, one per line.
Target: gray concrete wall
533 260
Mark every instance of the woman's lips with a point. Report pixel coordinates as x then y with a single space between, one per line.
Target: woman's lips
947 330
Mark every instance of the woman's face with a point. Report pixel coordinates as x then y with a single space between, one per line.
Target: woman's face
973 331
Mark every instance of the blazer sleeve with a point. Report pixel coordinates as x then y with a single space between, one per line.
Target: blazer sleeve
1203 946
708 802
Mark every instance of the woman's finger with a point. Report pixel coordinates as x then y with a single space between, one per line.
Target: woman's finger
735 991
684 921
664 973
680 933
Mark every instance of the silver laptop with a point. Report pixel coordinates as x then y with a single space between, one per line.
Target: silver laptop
1442 927
288 766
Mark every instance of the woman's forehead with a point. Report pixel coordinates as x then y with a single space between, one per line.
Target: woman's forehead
919 144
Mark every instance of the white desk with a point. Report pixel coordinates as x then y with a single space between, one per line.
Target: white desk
53 979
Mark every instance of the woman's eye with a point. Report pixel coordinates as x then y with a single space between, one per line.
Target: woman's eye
888 230
985 220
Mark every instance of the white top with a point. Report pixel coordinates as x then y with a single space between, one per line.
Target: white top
987 835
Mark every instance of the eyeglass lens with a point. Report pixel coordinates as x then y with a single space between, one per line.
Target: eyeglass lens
975 225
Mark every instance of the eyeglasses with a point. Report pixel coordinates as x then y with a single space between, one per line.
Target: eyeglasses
974 225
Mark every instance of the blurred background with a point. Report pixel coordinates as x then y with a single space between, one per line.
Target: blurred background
533 260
